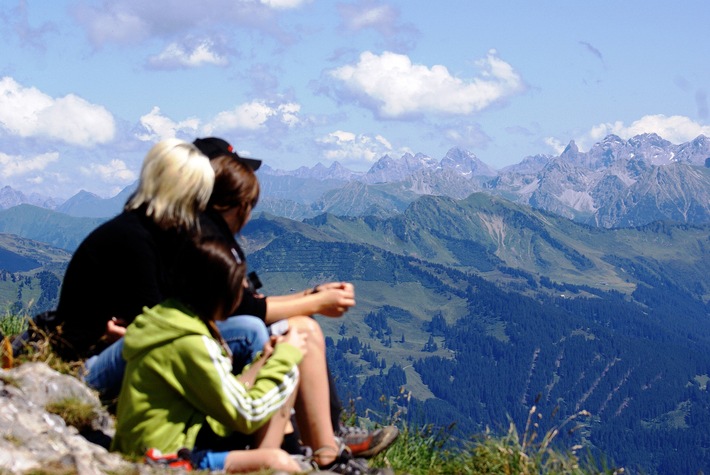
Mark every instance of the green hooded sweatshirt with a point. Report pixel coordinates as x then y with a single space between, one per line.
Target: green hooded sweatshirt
179 377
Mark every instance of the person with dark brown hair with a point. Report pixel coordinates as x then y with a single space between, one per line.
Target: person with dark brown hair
179 375
234 195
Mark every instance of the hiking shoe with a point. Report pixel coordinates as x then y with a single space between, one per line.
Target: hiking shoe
364 443
354 466
305 463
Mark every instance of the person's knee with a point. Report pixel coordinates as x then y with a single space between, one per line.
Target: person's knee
311 326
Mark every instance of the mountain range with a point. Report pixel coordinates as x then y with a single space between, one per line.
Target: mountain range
482 293
483 308
474 310
617 183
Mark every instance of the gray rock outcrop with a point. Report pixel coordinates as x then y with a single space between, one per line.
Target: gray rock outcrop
32 439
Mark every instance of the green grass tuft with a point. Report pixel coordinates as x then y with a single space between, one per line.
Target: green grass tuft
75 412
427 451
11 325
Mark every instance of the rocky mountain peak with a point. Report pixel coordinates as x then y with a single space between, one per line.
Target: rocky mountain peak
648 140
571 153
466 163
10 197
695 152
388 169
651 148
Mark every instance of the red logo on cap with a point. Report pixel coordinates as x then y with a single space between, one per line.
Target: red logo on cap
229 147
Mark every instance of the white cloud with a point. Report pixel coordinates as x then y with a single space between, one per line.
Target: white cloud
676 129
110 22
289 113
253 116
28 112
14 165
284 4
396 88
112 172
249 117
382 18
135 21
373 16
347 147
188 56
158 127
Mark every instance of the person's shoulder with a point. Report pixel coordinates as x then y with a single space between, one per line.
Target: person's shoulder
123 231
125 222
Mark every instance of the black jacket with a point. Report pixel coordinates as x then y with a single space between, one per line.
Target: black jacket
121 267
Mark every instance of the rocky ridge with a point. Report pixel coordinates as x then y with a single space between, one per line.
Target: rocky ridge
34 440
617 183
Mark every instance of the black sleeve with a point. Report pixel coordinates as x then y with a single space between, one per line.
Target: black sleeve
115 272
252 305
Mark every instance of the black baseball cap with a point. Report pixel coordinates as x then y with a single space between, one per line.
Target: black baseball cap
214 147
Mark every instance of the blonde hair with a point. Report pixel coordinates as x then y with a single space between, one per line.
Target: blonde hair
175 184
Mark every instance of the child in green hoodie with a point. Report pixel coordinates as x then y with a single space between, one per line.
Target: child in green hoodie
179 372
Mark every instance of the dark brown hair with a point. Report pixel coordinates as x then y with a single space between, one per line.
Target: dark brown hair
235 186
208 278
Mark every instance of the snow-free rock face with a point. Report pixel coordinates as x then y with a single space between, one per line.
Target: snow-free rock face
466 163
388 169
599 187
620 183
34 440
10 197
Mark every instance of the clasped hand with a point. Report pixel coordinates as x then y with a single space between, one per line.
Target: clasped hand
335 298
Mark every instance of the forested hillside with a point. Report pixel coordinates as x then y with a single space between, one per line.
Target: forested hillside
472 312
30 274
469 312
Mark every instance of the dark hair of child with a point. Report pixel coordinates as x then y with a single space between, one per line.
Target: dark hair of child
208 279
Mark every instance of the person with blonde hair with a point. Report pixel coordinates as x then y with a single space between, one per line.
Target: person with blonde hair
123 265
175 185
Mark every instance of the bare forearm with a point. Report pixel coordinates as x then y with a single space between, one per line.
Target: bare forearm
332 299
289 297
285 306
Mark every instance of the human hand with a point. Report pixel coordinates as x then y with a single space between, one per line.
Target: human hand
115 329
347 286
335 298
297 338
268 349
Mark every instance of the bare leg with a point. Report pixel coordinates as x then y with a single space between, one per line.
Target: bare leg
313 401
271 435
238 461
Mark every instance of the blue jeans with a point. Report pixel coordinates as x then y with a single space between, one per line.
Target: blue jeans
209 460
245 335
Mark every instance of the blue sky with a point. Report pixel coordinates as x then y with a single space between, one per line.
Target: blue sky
87 86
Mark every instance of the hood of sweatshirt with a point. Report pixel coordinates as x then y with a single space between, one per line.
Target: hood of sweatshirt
159 326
